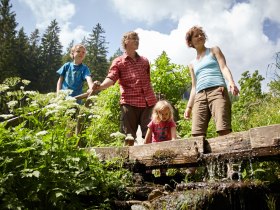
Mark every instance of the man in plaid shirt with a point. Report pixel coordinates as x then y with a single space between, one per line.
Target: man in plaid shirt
137 95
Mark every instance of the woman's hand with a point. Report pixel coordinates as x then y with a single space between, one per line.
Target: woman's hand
187 114
233 89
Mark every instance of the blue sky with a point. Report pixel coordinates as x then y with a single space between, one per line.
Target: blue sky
248 32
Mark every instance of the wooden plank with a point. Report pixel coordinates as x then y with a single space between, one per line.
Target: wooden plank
228 143
168 153
267 153
265 136
261 143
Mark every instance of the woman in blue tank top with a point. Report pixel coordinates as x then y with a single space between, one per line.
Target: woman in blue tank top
209 96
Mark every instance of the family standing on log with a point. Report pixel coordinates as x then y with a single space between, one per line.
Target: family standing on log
208 97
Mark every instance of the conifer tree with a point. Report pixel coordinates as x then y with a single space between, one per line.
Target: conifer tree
51 58
66 56
118 53
7 41
96 53
34 60
22 59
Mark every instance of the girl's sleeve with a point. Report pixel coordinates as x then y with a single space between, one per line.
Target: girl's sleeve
172 124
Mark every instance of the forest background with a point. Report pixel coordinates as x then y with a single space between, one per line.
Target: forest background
39 151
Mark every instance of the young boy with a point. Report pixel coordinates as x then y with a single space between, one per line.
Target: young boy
73 74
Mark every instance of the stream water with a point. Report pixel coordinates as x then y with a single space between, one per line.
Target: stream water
219 185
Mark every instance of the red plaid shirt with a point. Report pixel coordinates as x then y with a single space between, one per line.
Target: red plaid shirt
134 79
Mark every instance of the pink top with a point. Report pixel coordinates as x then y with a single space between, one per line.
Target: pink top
161 131
134 79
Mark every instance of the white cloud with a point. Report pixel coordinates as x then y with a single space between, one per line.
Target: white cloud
61 10
46 11
237 30
67 34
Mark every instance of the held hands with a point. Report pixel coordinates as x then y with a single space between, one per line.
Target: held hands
94 87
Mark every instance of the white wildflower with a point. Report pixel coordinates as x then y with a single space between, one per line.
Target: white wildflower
50 112
70 98
70 111
65 92
32 93
117 135
51 106
34 104
3 87
6 116
10 93
12 104
82 115
26 82
94 116
41 133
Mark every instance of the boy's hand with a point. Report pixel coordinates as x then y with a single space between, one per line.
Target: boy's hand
96 85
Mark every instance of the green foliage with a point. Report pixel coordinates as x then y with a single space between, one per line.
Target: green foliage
250 87
13 95
39 159
262 171
254 109
169 79
183 126
102 119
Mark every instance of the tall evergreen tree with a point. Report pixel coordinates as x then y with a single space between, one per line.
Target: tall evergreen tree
118 53
96 53
66 56
51 58
34 60
22 55
7 41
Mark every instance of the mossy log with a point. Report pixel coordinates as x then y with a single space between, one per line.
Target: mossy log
261 142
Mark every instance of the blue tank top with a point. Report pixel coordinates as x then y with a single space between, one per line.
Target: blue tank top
207 72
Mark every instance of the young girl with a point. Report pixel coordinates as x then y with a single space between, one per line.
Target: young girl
162 126
73 74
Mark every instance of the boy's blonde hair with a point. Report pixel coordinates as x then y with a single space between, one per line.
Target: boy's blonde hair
74 48
161 105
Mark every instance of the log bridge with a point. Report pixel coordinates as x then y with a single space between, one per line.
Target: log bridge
261 143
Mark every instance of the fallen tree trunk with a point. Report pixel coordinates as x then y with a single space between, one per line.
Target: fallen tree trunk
261 142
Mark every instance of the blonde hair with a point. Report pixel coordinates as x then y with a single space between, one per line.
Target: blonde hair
127 35
160 106
191 32
74 48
